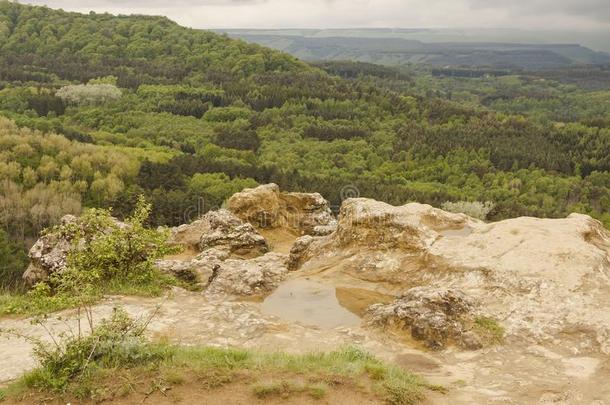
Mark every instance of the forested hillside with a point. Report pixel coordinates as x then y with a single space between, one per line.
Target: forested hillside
100 109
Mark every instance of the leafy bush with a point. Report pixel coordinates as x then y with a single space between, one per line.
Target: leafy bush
475 209
105 250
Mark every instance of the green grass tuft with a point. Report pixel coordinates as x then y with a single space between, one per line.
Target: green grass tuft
490 329
317 391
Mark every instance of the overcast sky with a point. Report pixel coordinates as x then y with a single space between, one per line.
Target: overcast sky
526 14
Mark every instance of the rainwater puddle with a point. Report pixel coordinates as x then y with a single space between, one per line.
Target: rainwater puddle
310 303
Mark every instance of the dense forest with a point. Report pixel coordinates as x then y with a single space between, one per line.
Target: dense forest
99 109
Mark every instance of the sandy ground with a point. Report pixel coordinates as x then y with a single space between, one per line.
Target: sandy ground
515 372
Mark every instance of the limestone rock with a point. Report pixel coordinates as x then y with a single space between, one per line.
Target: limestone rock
266 207
184 270
436 317
249 277
546 279
221 230
48 255
412 227
297 252
195 270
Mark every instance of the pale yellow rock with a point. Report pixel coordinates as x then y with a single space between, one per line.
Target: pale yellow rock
267 208
544 279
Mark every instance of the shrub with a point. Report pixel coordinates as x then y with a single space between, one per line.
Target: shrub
106 250
115 342
475 209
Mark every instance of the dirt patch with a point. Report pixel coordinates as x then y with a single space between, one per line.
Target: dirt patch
455 233
243 389
417 362
186 254
280 240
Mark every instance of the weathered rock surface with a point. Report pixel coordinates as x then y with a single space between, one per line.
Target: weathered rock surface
49 254
266 207
248 277
186 270
544 279
433 316
298 251
221 230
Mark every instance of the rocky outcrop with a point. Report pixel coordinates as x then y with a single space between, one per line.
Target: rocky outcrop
198 269
436 317
48 255
221 230
298 252
267 208
50 252
545 279
248 277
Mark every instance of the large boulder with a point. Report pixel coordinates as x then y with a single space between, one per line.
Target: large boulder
268 208
196 270
48 255
221 230
436 317
545 279
252 277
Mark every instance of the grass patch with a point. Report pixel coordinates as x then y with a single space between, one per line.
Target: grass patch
490 329
26 304
145 368
42 302
286 389
282 389
317 391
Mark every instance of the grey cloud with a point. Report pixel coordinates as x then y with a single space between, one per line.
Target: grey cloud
528 14
594 9
141 3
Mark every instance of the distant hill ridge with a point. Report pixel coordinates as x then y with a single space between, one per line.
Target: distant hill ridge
371 46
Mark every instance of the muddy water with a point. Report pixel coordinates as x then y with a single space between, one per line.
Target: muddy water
309 303
357 300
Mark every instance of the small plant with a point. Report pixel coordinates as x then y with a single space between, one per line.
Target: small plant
317 391
490 329
106 250
72 357
286 388
266 390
